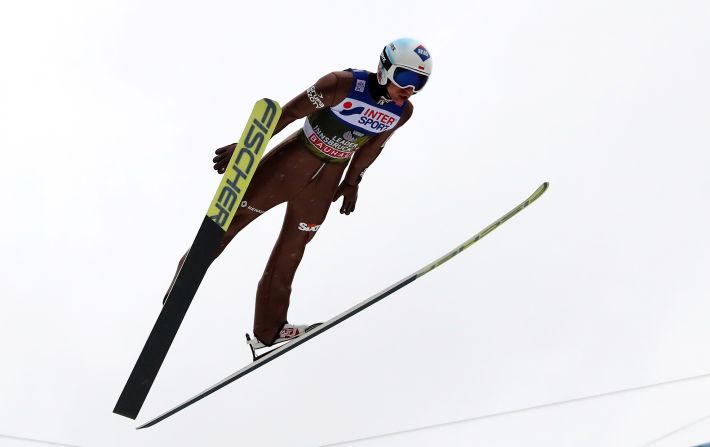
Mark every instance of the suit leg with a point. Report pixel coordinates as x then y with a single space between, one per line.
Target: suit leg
304 215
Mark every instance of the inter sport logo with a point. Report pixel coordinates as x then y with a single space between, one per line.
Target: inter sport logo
366 117
347 110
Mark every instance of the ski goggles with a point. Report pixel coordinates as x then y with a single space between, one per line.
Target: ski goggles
403 77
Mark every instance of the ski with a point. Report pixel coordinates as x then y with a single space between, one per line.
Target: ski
222 210
262 360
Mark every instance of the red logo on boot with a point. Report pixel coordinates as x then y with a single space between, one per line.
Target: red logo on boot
288 332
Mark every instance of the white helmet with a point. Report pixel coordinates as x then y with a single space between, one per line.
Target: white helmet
405 62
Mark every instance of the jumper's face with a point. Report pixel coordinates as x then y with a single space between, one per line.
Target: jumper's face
398 94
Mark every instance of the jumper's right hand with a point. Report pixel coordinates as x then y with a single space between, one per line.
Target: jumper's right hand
224 154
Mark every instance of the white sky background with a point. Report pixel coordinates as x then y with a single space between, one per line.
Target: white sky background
110 112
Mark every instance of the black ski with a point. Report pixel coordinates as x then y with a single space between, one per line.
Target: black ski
284 348
224 206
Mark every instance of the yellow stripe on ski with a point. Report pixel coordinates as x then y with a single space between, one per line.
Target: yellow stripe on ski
244 161
535 195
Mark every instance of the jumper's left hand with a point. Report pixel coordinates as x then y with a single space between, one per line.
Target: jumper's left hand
349 193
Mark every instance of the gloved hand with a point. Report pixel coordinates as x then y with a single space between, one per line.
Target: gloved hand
224 154
349 193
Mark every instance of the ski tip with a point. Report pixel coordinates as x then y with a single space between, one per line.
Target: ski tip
150 423
268 101
541 189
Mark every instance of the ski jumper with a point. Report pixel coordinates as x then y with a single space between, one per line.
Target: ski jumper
345 112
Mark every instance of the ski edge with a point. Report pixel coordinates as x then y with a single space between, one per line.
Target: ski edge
275 353
481 234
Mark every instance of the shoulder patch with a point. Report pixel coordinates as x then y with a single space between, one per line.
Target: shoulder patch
360 85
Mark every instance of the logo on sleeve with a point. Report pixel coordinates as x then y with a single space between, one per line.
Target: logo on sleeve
315 97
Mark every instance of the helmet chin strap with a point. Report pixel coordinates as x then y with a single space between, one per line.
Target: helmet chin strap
379 92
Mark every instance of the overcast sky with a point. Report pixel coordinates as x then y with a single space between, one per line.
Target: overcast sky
110 112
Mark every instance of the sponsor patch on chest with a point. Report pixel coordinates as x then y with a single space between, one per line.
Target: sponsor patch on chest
370 118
